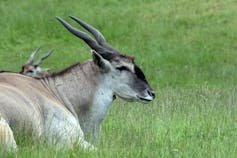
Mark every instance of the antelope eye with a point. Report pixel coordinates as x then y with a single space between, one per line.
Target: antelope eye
30 71
122 68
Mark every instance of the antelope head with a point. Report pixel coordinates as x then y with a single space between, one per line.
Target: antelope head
33 69
126 79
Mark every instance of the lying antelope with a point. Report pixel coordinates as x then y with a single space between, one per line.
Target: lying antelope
33 69
73 101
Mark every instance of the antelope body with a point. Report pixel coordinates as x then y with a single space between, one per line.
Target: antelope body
68 104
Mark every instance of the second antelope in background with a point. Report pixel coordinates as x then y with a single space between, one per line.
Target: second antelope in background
33 69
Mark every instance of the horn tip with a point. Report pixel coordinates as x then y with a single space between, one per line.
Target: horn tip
58 18
71 16
38 49
74 18
51 50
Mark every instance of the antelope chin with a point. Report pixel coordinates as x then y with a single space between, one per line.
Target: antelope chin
128 99
145 99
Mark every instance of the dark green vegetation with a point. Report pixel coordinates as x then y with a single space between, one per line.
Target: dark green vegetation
187 49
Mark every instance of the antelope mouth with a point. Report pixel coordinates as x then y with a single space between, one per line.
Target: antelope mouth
145 99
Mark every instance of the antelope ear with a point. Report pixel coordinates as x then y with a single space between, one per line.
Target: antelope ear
103 64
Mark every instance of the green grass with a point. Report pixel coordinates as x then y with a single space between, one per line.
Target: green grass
187 49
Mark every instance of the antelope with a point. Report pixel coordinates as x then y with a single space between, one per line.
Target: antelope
71 103
33 69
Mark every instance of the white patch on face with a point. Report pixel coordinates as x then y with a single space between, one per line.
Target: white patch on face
146 99
122 85
38 72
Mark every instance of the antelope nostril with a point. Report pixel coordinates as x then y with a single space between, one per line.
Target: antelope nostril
151 93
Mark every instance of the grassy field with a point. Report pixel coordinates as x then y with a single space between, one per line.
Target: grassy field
187 49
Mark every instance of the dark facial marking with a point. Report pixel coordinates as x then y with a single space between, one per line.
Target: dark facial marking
30 71
122 68
22 69
139 73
